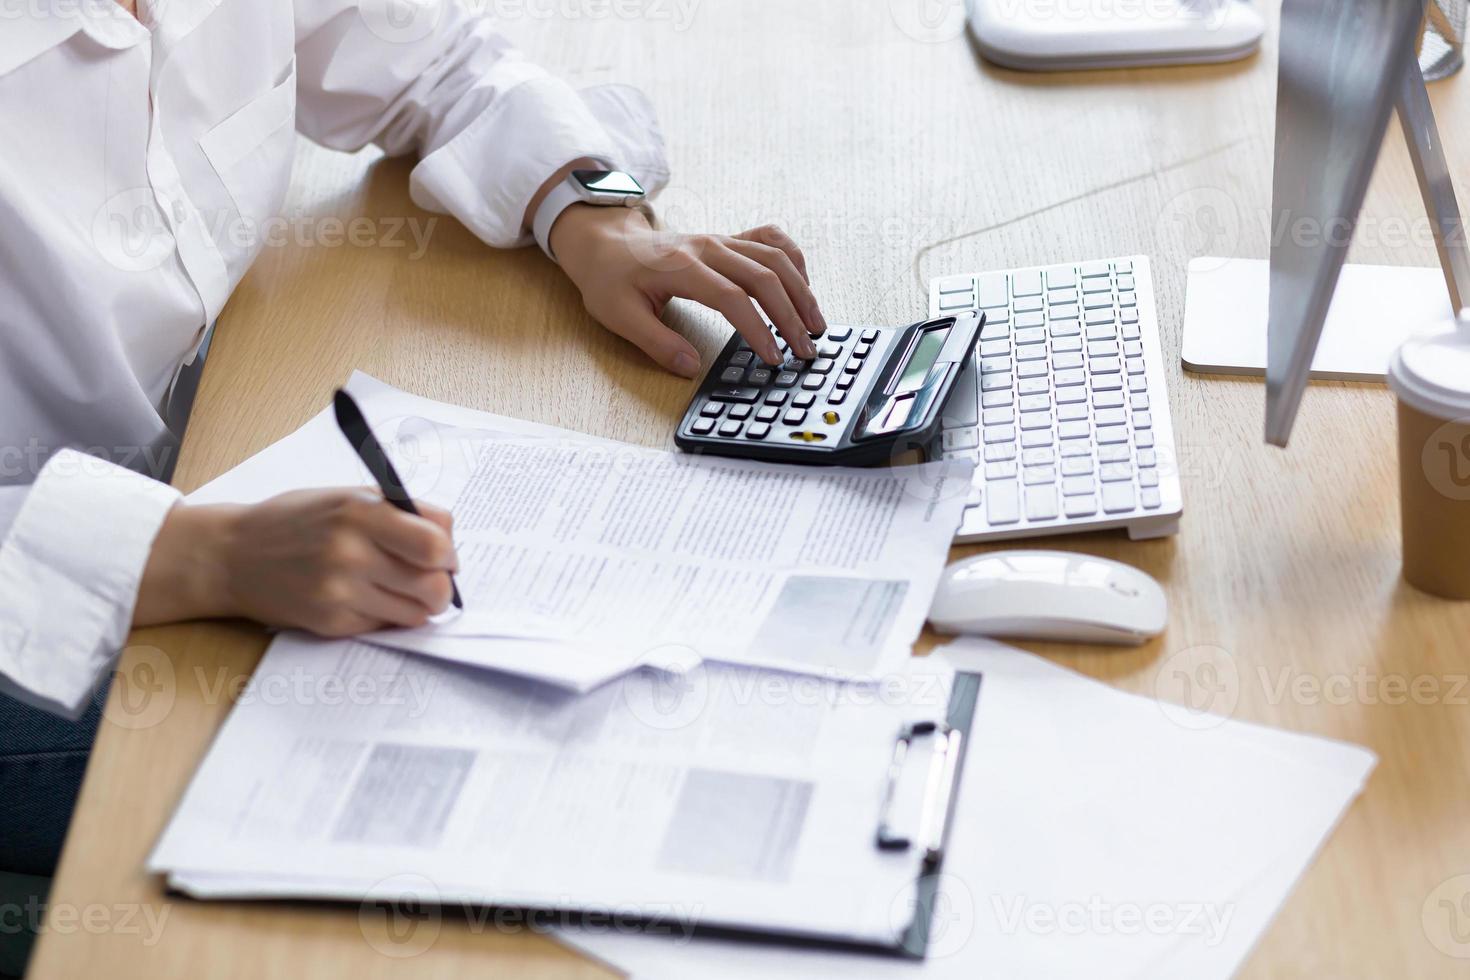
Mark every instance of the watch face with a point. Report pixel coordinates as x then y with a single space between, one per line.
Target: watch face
607 181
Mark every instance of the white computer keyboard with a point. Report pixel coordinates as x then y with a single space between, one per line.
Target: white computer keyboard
1065 410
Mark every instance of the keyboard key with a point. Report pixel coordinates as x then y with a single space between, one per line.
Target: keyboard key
728 429
1081 506
1000 433
1067 360
757 430
1068 396
1093 269
991 382
1102 348
740 412
961 439
804 401
1031 352
1071 413
1128 300
1110 416
1133 348
1067 379
702 427
1076 447
1146 458
1107 382
1074 430
991 290
1035 403
1061 277
794 416
1074 485
1112 454
1041 503
775 398
1128 316
1025 321
956 284
1035 420
1137 382
1113 472
999 416
1036 437
1148 478
1026 283
1143 420
1027 304
1151 498
1034 386
1096 284
1072 343
1104 315
995 399
995 348
1135 365
991 365
1124 282
1107 399
1000 451
760 376
1077 466
995 331
1131 331
734 394
1123 266
1143 439
1002 502
959 301
1033 368
1063 311
732 375
1109 435
1005 470
1038 456
1117 497
1039 475
1065 328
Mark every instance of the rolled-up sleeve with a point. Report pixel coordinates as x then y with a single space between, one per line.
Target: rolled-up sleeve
70 566
489 126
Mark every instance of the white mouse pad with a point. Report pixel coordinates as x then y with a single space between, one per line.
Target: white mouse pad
1374 309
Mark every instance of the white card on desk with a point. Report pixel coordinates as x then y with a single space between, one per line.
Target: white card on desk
1374 309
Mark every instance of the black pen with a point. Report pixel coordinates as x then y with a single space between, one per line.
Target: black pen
355 428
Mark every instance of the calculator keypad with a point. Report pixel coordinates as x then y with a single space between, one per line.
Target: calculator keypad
797 401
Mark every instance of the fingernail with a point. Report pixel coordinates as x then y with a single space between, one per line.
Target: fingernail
819 320
686 364
773 355
808 349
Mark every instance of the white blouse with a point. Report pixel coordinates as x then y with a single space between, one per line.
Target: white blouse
141 163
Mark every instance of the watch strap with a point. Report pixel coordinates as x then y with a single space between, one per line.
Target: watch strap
561 197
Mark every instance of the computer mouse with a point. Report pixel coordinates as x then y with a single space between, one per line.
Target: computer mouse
1049 595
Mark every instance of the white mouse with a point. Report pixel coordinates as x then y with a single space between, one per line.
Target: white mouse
1049 595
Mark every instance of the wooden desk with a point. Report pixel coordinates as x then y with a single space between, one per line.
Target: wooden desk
891 159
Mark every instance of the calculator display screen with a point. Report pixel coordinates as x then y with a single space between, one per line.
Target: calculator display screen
926 352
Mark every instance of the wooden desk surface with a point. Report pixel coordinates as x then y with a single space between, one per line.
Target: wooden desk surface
891 159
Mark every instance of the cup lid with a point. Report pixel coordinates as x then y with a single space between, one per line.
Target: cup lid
1431 370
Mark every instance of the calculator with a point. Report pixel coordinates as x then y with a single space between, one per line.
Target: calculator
871 394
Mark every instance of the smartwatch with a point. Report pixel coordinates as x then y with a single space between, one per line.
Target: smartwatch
605 188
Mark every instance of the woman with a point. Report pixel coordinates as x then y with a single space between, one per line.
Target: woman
144 144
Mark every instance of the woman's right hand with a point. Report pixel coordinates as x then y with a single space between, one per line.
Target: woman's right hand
334 562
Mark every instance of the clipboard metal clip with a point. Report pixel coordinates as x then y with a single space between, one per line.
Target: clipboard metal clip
939 789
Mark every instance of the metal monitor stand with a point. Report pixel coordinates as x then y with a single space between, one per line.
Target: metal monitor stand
1344 66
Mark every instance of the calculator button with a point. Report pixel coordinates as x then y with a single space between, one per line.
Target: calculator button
741 358
757 430
851 367
830 350
734 394
869 336
838 397
822 365
702 427
794 417
711 410
776 398
760 376
730 428
795 365
740 412
786 379
804 401
838 334
767 413
813 382
862 350
844 382
732 375
831 418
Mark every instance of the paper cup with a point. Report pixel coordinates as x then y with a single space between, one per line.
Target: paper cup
1430 374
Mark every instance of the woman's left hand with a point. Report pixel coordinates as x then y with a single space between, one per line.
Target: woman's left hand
627 273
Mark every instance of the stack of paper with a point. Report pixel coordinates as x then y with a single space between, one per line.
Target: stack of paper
1094 838
583 558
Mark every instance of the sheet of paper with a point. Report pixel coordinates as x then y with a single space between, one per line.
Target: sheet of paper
581 558
723 795
1094 838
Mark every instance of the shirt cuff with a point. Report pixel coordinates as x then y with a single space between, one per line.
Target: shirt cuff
487 174
69 574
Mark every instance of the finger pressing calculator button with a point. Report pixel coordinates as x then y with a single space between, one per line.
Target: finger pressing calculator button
757 430
732 375
711 410
740 412
794 416
760 376
702 427
740 358
730 429
804 401
734 394
786 379
767 413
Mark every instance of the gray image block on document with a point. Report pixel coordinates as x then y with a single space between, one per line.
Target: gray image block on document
841 622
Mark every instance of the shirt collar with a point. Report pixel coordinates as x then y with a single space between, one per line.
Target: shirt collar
30 28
